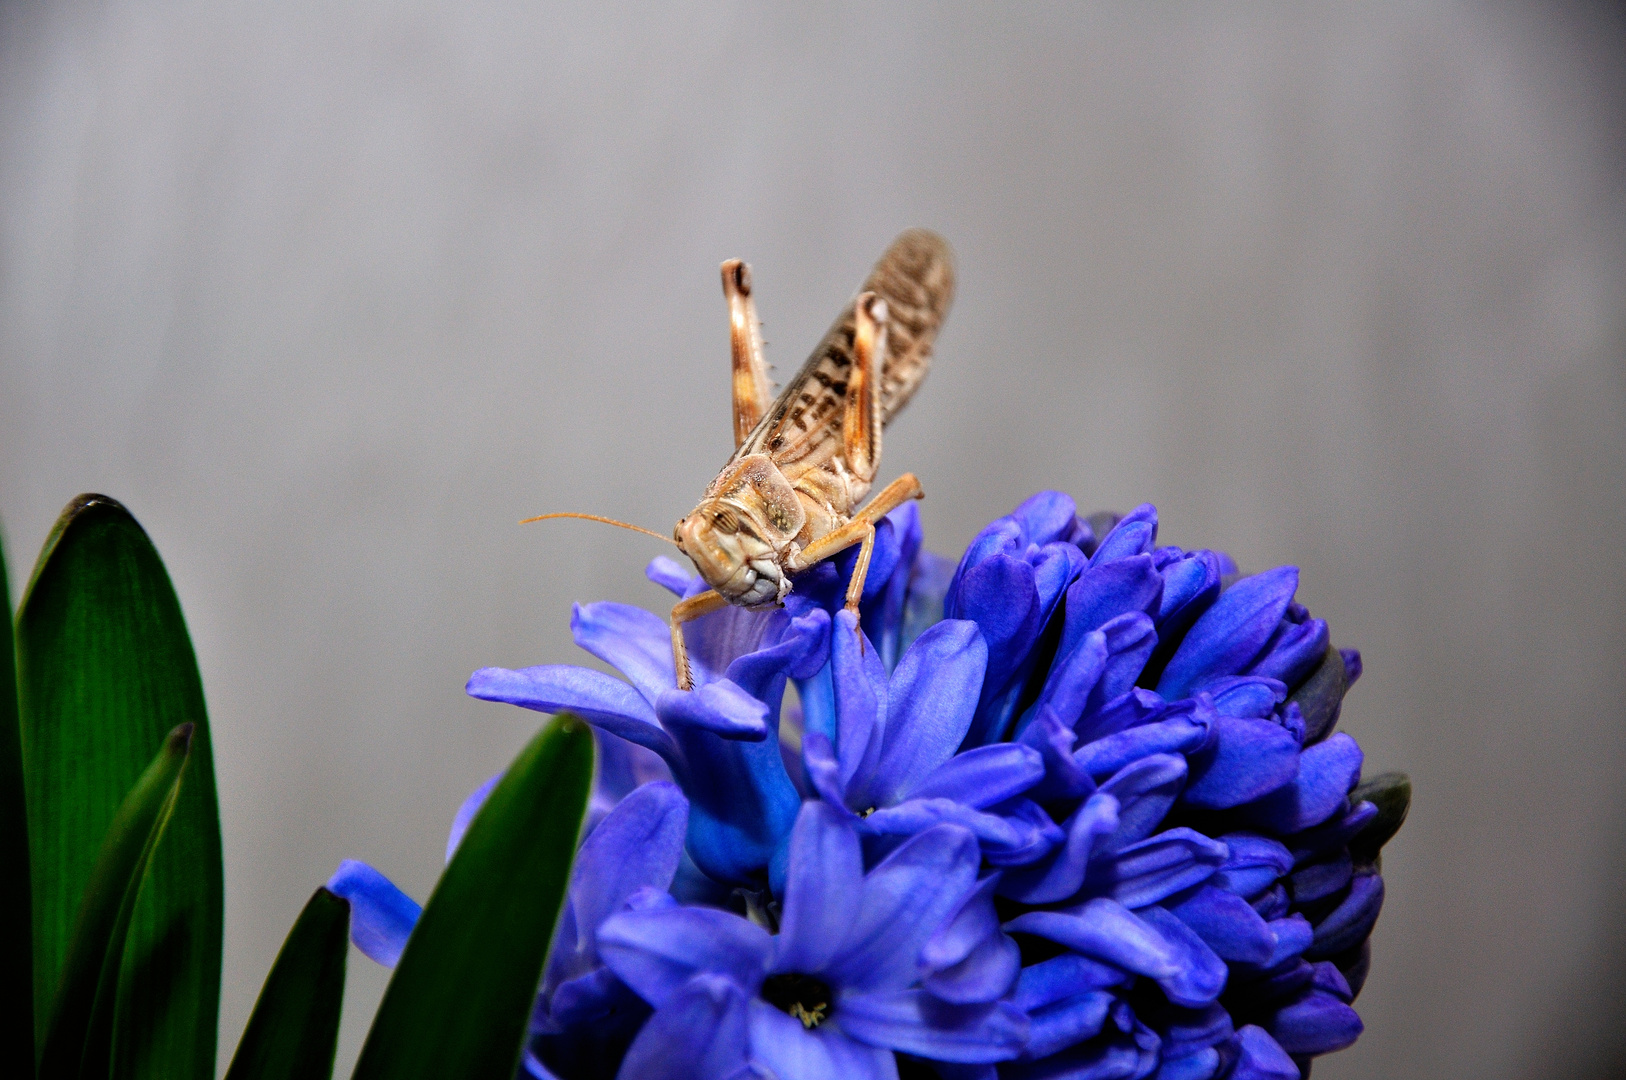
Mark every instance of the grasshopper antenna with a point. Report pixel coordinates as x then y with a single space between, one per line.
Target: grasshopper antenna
607 521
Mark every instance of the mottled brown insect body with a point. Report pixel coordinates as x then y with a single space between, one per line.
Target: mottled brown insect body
805 460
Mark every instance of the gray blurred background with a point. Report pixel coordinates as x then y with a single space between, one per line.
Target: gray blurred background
332 294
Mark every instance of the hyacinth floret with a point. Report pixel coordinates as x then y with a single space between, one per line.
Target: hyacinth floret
1073 807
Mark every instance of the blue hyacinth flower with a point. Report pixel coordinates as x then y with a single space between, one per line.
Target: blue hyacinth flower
846 980
720 740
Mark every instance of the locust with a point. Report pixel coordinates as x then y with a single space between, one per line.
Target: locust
805 459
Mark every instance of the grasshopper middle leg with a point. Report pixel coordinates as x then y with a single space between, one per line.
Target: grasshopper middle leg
860 530
686 610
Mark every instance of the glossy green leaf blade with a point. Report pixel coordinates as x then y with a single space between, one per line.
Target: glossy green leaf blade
461 996
294 1030
16 922
105 670
89 976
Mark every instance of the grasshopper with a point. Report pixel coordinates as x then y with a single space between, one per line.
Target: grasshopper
803 461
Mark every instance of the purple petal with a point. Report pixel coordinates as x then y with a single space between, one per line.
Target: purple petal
1350 922
1075 672
915 1022
823 883
1254 864
823 770
700 1034
1145 790
781 1046
633 641
1160 866
1135 534
860 686
639 844
1130 640
669 574
982 777
1061 977
1352 665
1316 880
1243 761
970 926
381 915
1327 772
1247 695
998 834
1259 1057
1180 734
720 708
598 698
800 650
1105 591
1046 517
1228 924
465 814
1203 1064
1227 636
1133 709
1154 944
1054 740
983 976
1061 873
1293 652
1316 1023
902 904
1060 1024
929 706
743 804
655 952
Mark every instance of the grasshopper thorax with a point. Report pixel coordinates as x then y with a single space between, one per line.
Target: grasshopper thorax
742 531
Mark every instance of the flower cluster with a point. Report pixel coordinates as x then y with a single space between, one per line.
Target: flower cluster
1073 808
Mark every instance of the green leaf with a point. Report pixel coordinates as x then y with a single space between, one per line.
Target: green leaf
105 670
78 1032
460 999
1390 792
16 926
294 1030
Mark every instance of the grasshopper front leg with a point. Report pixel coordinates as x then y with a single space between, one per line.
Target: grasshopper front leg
860 530
687 610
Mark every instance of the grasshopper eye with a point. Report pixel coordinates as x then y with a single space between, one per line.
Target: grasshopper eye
725 522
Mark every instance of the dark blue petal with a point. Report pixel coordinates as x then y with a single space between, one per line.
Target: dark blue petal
978 778
915 1022
1260 1058
1247 695
1179 734
596 697
1060 874
903 902
1254 864
1350 922
1014 837
1073 674
1061 977
639 844
1327 772
1245 759
1130 640
1054 740
381 915
860 685
969 927
1227 636
1316 1023
823 770
720 708
1334 834
1352 665
1145 790
1155 868
822 887
1191 583
1135 534
1152 943
1061 1024
1047 517
1316 880
985 975
799 652
1103 592
655 952
1037 833
1227 923
1131 710
930 703
923 607
1293 652
700 1034
633 641
781 1048
1292 936
669 574
1204 1064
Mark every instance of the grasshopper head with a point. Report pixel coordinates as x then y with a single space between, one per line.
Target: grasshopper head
733 548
